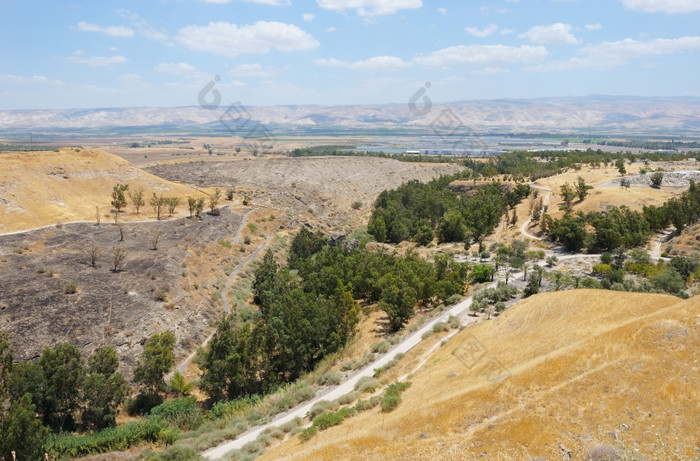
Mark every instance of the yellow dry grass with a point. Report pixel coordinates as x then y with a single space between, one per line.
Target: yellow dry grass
556 371
44 188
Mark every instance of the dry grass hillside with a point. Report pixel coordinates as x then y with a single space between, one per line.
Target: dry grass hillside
43 188
567 375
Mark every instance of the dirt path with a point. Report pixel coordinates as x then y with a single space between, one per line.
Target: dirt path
545 203
185 363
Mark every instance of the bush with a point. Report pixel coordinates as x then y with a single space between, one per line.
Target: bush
330 378
182 413
247 240
356 205
392 395
142 404
321 407
381 347
348 398
327 420
161 295
307 433
440 327
602 268
71 288
153 429
366 385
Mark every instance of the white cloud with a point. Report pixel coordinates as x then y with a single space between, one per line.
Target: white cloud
607 55
485 32
112 31
142 26
97 61
664 6
595 26
489 55
226 39
507 31
375 63
331 29
442 11
176 68
308 17
368 8
555 34
254 70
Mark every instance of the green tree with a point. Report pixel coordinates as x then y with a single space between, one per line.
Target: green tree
137 200
20 431
63 371
6 357
377 228
118 197
620 165
482 273
172 203
656 179
265 282
192 205
581 189
214 200
158 203
155 361
452 228
104 389
567 193
226 362
398 300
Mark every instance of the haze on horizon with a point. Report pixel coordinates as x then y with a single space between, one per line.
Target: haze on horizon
330 52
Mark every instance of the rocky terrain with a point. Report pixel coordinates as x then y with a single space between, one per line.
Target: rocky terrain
671 179
321 188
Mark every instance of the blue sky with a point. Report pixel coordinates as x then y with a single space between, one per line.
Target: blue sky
88 54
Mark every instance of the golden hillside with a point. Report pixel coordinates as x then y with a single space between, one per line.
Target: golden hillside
574 371
43 188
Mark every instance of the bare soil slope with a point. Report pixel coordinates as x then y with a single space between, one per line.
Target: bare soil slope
317 187
156 290
43 188
558 376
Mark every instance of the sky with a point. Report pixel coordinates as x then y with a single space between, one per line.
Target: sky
167 53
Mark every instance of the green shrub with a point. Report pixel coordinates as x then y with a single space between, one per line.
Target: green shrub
150 430
348 398
330 378
366 384
307 433
327 420
182 413
601 268
381 347
225 243
70 288
290 425
392 396
440 327
321 407
142 404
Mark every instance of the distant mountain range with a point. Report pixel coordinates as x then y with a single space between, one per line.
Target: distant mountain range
599 114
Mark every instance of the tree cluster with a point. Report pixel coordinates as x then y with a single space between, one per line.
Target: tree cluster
421 211
58 392
622 228
308 309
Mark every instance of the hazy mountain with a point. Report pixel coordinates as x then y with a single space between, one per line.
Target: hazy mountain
592 113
